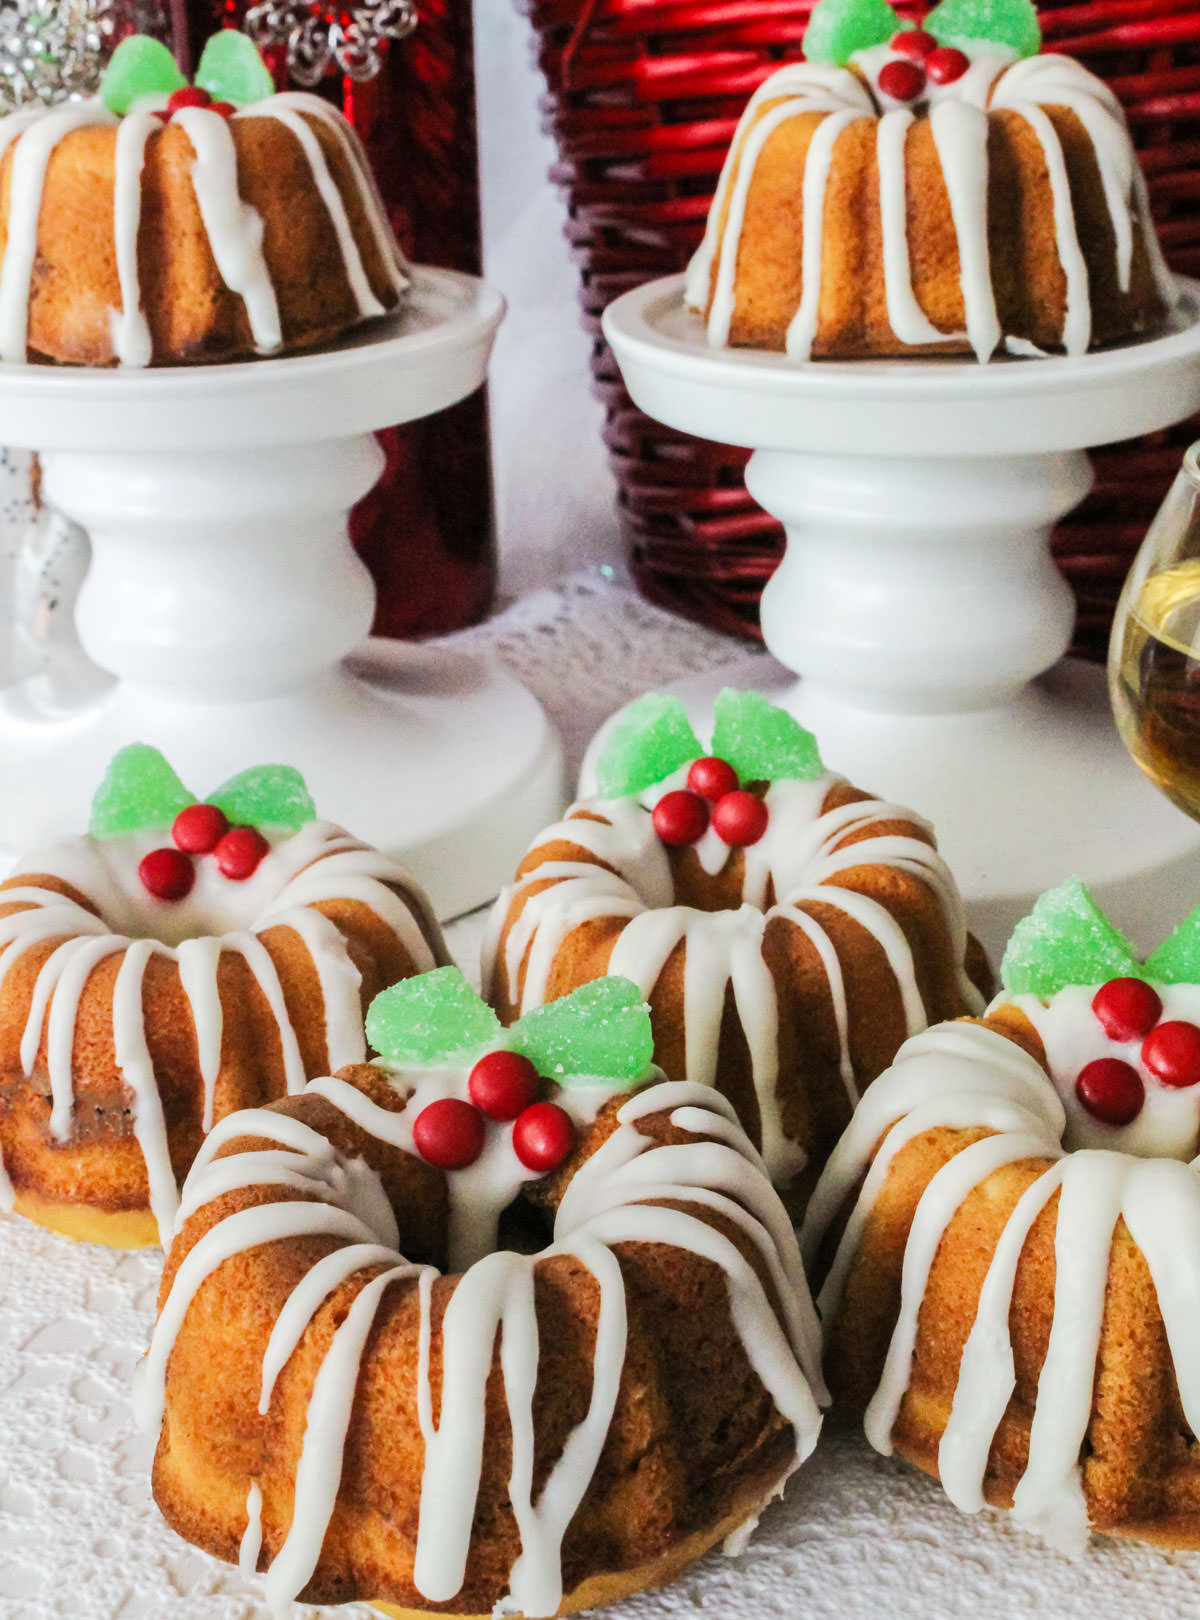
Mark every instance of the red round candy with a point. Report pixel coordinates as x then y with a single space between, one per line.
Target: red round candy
1128 1008
225 108
190 95
711 778
502 1084
449 1133
199 828
167 874
239 853
543 1136
739 818
680 817
946 65
914 42
902 81
1111 1090
1172 1053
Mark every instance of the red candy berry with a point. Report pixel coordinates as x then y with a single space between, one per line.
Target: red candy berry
902 81
946 65
712 779
199 828
739 818
190 95
1128 1008
543 1136
225 108
502 1084
449 1133
1172 1053
914 42
680 817
1111 1090
167 874
239 853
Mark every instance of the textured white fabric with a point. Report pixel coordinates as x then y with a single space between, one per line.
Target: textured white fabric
856 1538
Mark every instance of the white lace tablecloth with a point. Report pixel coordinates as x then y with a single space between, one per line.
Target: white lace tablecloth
856 1538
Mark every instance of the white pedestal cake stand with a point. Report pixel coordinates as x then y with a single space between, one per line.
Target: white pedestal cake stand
226 603
917 598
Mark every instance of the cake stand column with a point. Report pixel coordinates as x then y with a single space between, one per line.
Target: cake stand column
916 619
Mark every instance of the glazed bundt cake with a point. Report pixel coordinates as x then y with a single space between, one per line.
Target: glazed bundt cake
417 1345
151 984
939 190
1010 1231
789 933
160 223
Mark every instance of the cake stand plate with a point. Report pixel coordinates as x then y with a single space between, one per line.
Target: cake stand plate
918 601
228 613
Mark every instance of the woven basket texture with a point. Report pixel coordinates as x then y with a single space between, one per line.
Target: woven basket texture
642 100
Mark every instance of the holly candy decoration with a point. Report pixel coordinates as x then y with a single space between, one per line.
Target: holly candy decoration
947 65
240 852
1127 1008
232 70
199 828
430 1020
167 874
1111 1091
653 738
740 818
139 790
231 74
266 796
1177 959
1011 23
914 42
599 1032
763 743
1066 939
543 1136
140 66
1171 1052
712 778
449 1133
902 80
503 1084
839 28
680 817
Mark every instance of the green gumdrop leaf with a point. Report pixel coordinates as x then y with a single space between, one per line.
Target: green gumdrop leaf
761 742
1066 939
430 1020
652 738
1177 959
997 22
599 1032
232 70
139 790
266 796
140 66
838 28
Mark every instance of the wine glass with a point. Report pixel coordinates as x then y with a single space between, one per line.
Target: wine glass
1154 655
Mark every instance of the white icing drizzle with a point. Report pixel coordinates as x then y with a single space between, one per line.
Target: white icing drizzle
800 858
234 229
958 115
965 1076
612 1199
251 1545
318 864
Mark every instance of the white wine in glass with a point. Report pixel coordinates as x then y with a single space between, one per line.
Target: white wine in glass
1154 657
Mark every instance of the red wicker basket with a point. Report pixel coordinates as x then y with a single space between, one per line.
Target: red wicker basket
643 97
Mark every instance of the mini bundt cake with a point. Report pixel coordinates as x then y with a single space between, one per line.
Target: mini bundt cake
1011 1231
789 933
151 984
158 223
445 1334
939 190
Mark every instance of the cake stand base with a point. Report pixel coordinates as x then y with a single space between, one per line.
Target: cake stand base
438 758
1021 797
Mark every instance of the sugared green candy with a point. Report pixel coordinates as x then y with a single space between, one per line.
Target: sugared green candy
139 790
761 742
1177 959
232 70
266 796
652 738
140 66
1066 939
599 1032
430 1020
838 28
997 22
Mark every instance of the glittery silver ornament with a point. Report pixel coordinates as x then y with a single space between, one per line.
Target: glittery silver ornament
318 40
52 49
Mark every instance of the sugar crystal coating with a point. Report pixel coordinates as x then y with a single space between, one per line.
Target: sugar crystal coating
997 22
140 66
599 1032
431 1019
653 738
232 70
761 742
838 28
266 796
1066 939
139 790
1177 959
